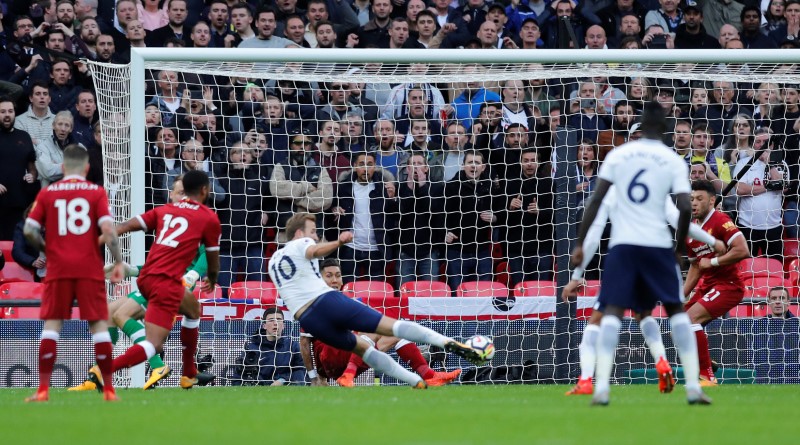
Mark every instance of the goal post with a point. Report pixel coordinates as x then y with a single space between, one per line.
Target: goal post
552 340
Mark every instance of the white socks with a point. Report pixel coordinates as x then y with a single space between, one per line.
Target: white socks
418 334
652 337
101 337
588 350
149 349
384 364
685 342
606 349
49 335
190 324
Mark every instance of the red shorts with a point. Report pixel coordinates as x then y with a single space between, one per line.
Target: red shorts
331 362
717 298
59 294
163 296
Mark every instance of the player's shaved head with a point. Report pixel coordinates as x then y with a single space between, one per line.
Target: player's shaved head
653 121
194 181
76 159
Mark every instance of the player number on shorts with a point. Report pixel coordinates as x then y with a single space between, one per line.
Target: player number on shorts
73 216
711 295
638 191
279 269
178 223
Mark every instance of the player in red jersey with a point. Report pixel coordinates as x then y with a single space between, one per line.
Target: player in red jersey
721 288
73 213
344 366
180 228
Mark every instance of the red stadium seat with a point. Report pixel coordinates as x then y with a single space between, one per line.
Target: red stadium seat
501 273
13 272
659 312
368 289
793 277
795 309
741 311
21 291
791 249
759 287
760 310
262 290
759 267
204 296
6 247
482 289
535 289
591 289
425 289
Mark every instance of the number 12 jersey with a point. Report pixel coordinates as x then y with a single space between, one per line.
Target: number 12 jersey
179 228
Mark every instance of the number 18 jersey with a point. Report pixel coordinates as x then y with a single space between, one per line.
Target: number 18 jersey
179 228
644 173
297 278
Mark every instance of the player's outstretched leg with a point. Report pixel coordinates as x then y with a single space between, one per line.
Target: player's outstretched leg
48 347
704 357
103 356
651 332
687 350
189 335
420 334
587 352
606 347
382 363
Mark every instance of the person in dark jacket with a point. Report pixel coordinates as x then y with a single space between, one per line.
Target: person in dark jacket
243 217
529 213
421 208
470 210
367 197
269 358
25 254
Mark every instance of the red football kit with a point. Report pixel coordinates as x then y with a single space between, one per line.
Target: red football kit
70 213
720 288
180 228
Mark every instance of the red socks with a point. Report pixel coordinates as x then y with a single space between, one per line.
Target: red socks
410 353
703 354
104 359
133 356
47 360
355 366
189 344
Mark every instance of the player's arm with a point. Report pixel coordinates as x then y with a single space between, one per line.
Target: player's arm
737 251
590 246
132 225
212 257
695 231
33 234
321 250
590 213
692 277
308 361
684 204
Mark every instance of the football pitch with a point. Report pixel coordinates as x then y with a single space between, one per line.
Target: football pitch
638 414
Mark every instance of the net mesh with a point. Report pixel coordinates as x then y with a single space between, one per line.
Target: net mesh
482 258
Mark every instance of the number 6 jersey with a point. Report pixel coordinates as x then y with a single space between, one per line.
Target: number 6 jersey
179 228
70 212
297 278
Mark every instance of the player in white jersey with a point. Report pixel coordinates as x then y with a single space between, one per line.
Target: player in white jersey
641 269
332 317
648 325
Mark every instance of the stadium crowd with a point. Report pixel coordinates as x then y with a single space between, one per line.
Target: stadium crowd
429 176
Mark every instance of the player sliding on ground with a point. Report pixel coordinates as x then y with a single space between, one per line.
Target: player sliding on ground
73 213
180 230
127 313
647 324
641 268
344 366
330 316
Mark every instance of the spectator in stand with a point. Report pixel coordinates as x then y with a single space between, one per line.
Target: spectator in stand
417 108
421 143
773 17
652 38
18 176
691 34
698 171
470 210
295 31
269 358
327 153
243 215
585 172
738 139
376 32
95 149
162 158
344 19
504 162
89 30
421 208
751 36
265 22
300 184
38 120
640 90
536 92
325 34
63 92
778 301
23 253
125 11
201 35
595 37
698 100
468 103
587 113
555 29
607 95
726 34
218 19
401 100
425 29
515 110
668 16
193 157
398 33
760 203
153 16
619 18
353 137
785 116
50 151
85 115
768 100
177 27
366 205
717 169
385 151
624 118
106 50
682 139
529 230
720 113
168 96
488 131
242 23
338 103
456 142
790 30
530 34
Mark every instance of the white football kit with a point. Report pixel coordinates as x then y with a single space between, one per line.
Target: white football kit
298 279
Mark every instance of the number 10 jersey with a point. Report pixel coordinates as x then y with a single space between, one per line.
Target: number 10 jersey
179 228
298 279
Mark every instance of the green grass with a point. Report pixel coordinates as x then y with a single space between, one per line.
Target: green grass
638 414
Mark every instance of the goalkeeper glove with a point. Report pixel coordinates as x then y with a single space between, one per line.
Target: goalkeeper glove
130 271
190 279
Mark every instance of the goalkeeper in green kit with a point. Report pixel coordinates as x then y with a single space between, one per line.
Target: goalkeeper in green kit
128 313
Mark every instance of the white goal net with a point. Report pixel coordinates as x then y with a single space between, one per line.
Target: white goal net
464 182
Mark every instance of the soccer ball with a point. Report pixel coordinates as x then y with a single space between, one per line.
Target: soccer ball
483 345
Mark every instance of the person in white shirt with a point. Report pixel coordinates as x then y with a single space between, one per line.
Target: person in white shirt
330 316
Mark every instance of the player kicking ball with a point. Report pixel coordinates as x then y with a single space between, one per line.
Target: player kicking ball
73 212
344 366
331 317
126 313
641 267
180 230
647 324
